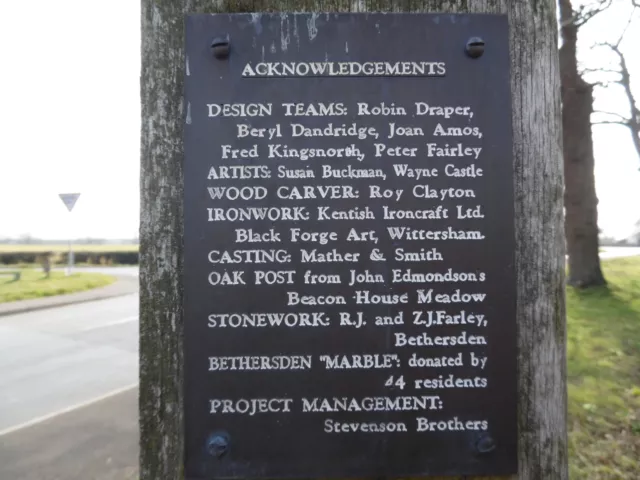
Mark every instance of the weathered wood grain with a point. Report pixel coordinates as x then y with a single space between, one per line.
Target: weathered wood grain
539 224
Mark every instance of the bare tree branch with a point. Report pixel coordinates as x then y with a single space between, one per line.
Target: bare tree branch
601 78
605 84
621 70
586 12
610 122
626 27
622 118
599 70
616 120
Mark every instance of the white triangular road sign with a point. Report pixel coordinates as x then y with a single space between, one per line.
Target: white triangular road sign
69 199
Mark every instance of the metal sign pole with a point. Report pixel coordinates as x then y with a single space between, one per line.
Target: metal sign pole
69 199
70 259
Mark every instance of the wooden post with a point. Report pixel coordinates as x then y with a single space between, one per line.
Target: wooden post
538 205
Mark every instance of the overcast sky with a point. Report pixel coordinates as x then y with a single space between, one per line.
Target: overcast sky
69 108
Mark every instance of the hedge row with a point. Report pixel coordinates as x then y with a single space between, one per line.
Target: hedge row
61 258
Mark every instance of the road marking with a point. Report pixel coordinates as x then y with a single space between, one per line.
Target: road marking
49 416
110 324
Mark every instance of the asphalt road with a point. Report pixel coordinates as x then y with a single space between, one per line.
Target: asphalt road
95 442
68 375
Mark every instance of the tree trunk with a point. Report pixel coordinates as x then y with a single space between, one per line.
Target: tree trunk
538 205
581 202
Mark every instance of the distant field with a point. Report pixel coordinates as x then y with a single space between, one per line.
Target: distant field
4 248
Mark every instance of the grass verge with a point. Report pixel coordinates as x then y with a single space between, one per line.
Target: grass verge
34 284
603 354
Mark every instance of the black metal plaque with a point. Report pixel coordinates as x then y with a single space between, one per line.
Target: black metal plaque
349 285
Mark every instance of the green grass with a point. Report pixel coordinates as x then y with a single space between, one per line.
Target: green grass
34 284
11 248
603 353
